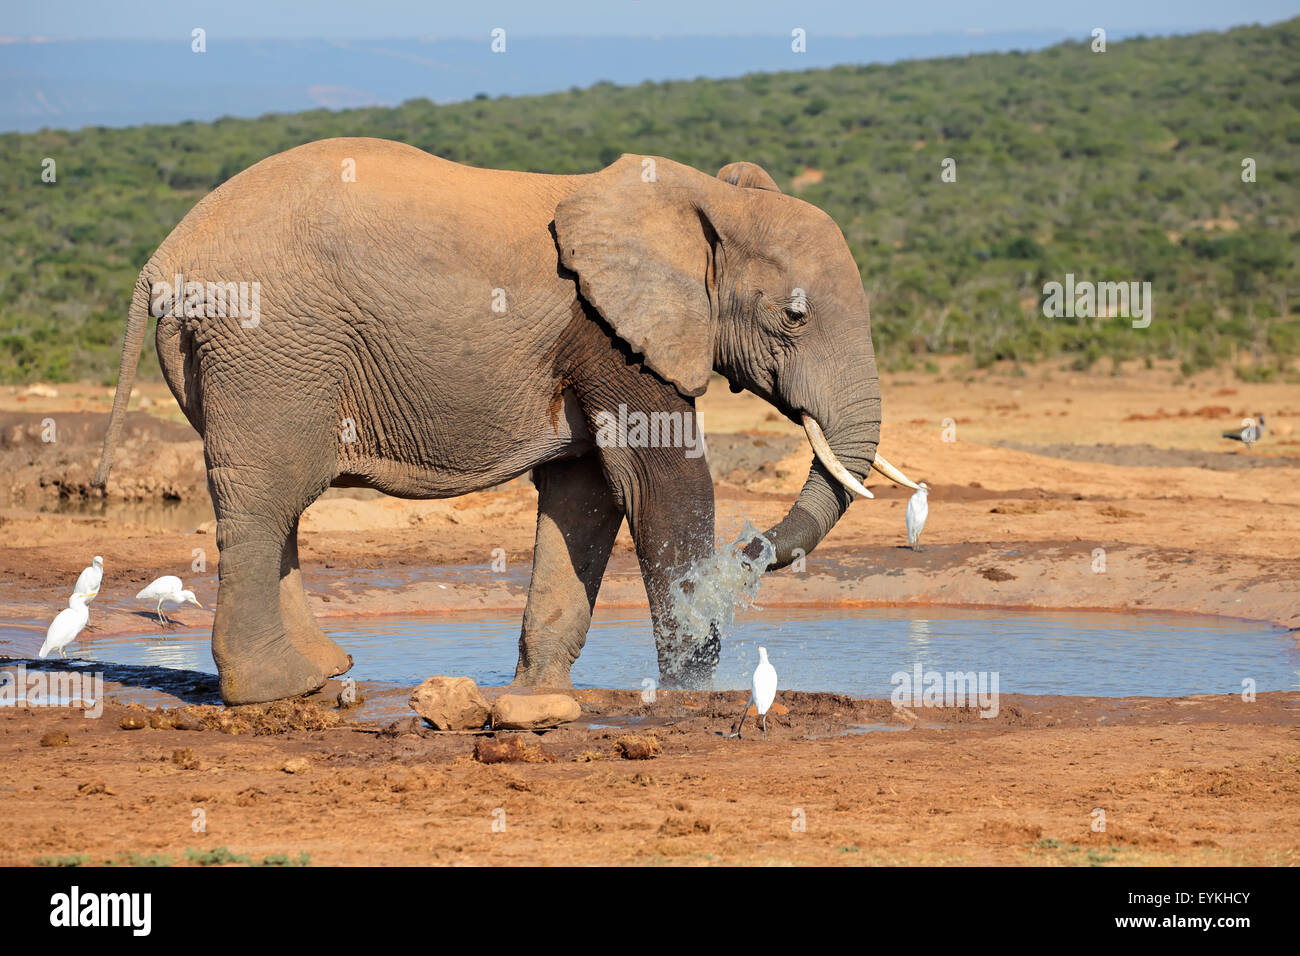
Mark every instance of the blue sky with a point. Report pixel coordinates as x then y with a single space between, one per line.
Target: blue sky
357 19
286 56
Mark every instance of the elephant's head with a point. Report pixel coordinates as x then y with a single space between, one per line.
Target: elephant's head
698 274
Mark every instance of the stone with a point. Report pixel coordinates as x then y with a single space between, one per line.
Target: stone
510 750
405 726
188 722
518 712
451 703
297 765
632 747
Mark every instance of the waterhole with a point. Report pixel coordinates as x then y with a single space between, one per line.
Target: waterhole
847 651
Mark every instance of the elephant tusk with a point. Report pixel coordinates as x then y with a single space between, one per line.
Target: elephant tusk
822 449
893 474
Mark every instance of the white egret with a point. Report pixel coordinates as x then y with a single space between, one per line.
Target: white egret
167 590
91 578
89 581
918 507
762 692
65 627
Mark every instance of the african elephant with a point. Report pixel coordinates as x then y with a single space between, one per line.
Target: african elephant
429 329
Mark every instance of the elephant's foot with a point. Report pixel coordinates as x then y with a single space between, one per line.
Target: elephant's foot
276 671
690 667
319 648
303 631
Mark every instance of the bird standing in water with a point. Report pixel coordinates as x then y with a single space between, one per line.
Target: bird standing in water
167 590
918 507
89 581
761 694
91 578
65 627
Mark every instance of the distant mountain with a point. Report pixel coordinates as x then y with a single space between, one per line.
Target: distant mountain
69 84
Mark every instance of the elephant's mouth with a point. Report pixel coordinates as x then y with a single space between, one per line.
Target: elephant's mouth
822 449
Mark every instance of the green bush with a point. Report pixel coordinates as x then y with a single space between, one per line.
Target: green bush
1122 167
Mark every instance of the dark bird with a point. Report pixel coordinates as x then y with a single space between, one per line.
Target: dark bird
1251 431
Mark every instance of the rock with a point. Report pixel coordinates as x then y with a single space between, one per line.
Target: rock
517 712
510 750
188 722
631 747
451 703
297 765
403 727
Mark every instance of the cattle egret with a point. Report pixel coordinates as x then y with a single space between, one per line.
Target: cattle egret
167 590
88 583
762 692
917 509
65 627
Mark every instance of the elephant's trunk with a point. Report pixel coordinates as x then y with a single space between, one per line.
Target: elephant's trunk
824 499
832 481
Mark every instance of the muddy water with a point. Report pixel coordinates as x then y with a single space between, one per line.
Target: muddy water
854 652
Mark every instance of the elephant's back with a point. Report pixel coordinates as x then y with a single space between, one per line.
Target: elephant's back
334 197
375 176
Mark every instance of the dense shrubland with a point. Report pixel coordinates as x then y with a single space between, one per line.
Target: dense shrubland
1121 166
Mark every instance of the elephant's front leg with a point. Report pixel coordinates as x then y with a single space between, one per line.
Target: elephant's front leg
577 522
667 494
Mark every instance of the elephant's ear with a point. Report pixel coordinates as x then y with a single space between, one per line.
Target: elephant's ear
748 175
642 247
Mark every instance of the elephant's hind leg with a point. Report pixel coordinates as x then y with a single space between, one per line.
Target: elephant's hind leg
299 624
577 522
256 661
263 471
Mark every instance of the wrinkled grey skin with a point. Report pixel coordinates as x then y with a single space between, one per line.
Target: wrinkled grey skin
629 285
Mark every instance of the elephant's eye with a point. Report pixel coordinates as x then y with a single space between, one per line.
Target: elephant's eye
796 312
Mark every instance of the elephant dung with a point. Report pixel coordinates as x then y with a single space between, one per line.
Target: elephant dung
516 712
451 703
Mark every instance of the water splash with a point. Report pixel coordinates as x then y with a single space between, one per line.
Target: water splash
704 601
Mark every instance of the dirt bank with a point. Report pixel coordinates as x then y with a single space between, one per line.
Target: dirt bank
1204 780
1049 490
1146 488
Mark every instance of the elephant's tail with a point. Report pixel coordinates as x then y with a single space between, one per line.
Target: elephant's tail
137 320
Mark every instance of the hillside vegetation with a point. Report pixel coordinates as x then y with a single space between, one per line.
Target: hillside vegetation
1116 166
